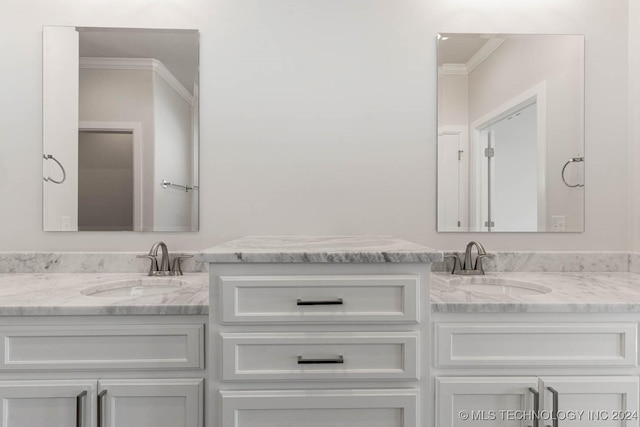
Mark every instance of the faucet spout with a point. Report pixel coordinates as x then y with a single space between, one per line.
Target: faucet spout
165 268
468 265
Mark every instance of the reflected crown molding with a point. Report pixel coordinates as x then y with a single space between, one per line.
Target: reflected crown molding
478 58
148 64
484 52
453 70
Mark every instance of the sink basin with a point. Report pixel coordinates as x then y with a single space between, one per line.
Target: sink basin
498 286
135 287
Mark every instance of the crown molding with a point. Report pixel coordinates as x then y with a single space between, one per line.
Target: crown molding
148 64
452 70
483 53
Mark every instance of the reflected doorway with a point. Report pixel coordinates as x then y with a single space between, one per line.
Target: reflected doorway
106 180
509 172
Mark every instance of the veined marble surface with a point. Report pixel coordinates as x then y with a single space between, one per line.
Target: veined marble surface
634 262
319 249
86 262
586 292
550 261
61 294
127 262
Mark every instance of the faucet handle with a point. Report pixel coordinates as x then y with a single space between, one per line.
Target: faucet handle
456 261
177 266
153 268
478 265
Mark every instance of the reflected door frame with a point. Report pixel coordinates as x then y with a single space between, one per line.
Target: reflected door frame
136 130
537 94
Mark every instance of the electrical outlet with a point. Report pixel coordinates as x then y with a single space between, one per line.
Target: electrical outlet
558 222
65 223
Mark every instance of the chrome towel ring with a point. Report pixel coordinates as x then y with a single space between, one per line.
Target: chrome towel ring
64 173
572 160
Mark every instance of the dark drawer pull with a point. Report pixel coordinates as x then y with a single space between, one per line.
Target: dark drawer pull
320 302
303 361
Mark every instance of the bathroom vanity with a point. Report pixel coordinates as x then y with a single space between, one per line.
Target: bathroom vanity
76 351
563 345
330 330
308 331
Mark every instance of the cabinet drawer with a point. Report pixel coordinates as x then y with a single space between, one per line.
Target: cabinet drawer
317 299
536 344
336 356
320 408
102 347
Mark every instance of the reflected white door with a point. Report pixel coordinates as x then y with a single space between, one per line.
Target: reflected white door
514 175
59 127
453 178
507 194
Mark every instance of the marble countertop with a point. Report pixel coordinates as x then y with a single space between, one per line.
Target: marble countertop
585 292
319 249
42 294
61 294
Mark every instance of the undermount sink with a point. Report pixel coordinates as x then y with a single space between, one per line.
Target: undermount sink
135 287
498 286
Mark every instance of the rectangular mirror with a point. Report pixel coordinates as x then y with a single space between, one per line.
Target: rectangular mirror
120 129
510 133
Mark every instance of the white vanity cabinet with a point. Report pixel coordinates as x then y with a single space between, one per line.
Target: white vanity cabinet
150 403
511 401
121 403
499 369
56 403
470 401
102 371
323 345
599 400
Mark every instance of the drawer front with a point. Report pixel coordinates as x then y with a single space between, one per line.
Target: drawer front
536 344
353 408
317 299
318 356
102 347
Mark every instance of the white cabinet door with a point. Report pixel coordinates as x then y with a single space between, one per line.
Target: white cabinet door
485 401
591 401
150 403
47 403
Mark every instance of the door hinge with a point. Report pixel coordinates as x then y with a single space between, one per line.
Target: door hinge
489 152
487 224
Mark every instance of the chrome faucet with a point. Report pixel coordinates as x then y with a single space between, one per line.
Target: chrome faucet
468 267
165 268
